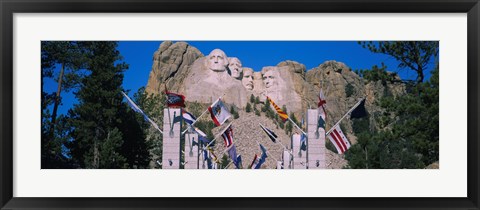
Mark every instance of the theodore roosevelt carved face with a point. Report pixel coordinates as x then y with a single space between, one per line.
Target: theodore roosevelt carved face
235 67
247 79
217 60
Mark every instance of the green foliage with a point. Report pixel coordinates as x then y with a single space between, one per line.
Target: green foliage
288 128
414 55
152 105
234 112
105 132
349 90
294 118
361 125
252 99
224 161
409 139
281 124
257 100
248 108
257 112
60 61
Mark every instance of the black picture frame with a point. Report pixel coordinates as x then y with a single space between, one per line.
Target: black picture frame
10 7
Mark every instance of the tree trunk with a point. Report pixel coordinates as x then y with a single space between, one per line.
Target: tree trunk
57 101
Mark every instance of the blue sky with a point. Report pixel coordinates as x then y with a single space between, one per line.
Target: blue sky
253 54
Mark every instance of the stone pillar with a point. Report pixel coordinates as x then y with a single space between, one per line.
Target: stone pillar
316 144
171 140
279 165
299 156
287 160
191 150
202 163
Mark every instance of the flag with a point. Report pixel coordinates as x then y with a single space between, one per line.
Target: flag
188 118
339 140
239 164
321 99
280 112
200 132
359 111
303 142
232 153
203 140
219 112
262 158
212 155
137 109
174 100
270 133
322 103
254 162
320 122
206 157
228 136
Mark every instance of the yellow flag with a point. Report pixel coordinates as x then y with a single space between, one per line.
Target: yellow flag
282 114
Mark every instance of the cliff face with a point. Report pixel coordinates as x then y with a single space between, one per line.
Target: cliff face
171 63
185 70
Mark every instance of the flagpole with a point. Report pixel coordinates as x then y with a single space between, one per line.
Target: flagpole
183 132
268 151
214 139
230 163
129 101
296 126
278 141
168 110
349 111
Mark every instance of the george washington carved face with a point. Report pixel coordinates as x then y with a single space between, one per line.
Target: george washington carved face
235 67
217 60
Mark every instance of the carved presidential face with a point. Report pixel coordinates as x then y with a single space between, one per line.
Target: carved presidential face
235 67
270 78
217 60
247 79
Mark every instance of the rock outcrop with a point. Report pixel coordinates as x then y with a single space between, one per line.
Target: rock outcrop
185 70
170 64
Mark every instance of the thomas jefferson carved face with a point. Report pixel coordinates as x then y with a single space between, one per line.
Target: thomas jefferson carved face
217 60
269 77
247 79
235 67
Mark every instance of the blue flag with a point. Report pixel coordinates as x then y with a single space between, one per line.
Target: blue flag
262 158
303 142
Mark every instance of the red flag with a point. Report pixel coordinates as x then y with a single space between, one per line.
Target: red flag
174 100
280 112
339 140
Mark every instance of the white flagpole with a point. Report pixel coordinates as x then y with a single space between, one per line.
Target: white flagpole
183 132
152 123
229 163
268 151
349 111
277 140
297 126
168 110
218 135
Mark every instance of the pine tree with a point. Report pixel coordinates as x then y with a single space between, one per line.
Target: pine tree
105 134
248 108
153 106
60 61
406 131
414 55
